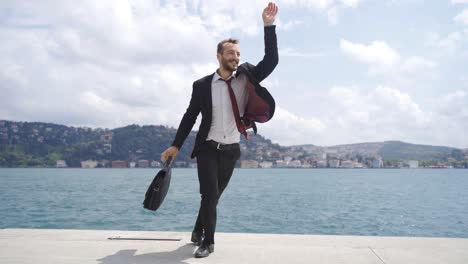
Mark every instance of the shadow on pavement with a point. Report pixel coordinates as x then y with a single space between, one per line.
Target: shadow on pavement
128 256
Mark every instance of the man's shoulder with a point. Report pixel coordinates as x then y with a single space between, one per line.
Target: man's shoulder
245 69
204 80
246 66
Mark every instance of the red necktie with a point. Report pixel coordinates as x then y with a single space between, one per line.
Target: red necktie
235 109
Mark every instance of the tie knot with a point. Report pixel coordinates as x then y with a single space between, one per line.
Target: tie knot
228 81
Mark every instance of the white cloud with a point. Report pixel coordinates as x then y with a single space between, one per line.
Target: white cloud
290 52
331 8
462 17
451 42
224 17
459 1
108 63
383 113
455 106
351 3
377 54
311 4
112 63
333 15
293 128
382 58
290 25
416 64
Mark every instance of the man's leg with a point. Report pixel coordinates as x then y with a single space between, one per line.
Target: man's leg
226 162
221 165
226 168
207 164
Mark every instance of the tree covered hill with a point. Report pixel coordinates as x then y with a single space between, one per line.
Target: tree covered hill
35 144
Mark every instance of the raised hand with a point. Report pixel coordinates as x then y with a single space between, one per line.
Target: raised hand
269 14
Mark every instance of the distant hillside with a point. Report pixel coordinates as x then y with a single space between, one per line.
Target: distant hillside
35 144
402 150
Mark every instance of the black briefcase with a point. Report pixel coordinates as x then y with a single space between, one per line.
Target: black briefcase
158 188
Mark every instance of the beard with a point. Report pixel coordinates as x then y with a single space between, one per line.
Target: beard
229 65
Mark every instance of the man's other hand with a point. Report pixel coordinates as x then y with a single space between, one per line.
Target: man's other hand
269 14
170 152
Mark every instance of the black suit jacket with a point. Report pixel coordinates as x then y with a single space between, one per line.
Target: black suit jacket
201 101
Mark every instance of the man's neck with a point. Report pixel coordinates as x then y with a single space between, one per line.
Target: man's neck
224 73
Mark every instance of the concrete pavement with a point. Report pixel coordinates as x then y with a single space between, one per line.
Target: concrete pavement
40 246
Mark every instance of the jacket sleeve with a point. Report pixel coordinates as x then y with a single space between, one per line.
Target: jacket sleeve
271 58
189 118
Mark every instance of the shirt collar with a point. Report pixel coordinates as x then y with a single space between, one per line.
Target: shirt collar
216 76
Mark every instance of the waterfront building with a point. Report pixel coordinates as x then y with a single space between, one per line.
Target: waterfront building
61 164
143 164
89 164
334 163
321 164
155 164
295 164
104 164
347 164
413 164
280 164
377 163
265 164
119 164
249 164
181 164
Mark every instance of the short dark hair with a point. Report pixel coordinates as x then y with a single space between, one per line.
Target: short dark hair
221 44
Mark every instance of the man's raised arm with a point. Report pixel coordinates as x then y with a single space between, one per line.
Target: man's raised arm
271 58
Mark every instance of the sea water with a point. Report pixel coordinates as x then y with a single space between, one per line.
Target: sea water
375 202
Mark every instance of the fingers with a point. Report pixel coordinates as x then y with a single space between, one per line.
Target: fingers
271 9
165 155
170 152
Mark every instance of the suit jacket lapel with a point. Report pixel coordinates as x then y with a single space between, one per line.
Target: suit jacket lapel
207 95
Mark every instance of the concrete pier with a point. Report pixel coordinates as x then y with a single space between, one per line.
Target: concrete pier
41 246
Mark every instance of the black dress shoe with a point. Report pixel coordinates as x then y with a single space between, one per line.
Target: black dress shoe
204 251
197 238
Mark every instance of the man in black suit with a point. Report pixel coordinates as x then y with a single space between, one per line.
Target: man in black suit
230 100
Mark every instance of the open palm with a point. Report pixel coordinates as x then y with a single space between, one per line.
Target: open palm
269 13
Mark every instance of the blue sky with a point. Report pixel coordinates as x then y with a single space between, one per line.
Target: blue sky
350 70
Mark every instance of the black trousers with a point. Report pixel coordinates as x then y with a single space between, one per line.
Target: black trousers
215 168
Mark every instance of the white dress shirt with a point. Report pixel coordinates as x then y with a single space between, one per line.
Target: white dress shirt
223 125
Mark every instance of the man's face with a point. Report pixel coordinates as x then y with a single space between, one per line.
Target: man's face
229 60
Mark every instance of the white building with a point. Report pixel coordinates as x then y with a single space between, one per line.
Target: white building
321 164
334 163
155 164
347 164
61 164
266 164
413 164
377 163
89 164
143 164
249 164
281 164
295 164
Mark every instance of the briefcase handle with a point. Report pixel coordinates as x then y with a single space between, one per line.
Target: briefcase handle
168 163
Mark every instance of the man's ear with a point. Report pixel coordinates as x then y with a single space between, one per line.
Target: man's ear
218 56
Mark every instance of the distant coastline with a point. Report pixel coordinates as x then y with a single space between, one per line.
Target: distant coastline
47 145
